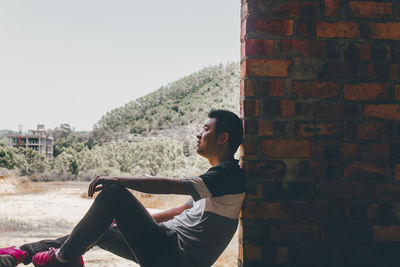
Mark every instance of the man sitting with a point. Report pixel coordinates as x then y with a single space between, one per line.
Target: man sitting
193 234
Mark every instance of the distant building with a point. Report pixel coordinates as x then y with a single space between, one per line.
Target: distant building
34 139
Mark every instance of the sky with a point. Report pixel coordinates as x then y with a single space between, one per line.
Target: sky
72 61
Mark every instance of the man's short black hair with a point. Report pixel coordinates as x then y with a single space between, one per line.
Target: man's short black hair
229 122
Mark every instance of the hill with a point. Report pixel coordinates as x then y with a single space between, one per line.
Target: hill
180 104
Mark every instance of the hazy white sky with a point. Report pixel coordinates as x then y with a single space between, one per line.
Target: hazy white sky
72 61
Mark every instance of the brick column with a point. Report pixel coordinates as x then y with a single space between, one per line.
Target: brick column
320 102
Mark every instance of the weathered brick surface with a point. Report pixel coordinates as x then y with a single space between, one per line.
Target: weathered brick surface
319 129
371 9
388 30
286 148
268 210
342 190
397 92
383 233
332 8
266 68
301 47
367 91
294 233
316 89
369 130
388 192
257 47
340 29
283 27
382 111
297 9
320 96
364 170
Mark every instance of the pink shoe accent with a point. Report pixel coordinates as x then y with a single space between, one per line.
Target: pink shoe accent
48 258
18 255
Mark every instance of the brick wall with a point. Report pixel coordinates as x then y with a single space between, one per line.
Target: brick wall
320 87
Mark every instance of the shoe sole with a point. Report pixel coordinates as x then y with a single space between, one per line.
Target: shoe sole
7 261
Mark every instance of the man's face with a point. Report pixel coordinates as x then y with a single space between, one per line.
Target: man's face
207 139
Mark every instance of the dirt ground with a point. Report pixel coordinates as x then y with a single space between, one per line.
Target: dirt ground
49 210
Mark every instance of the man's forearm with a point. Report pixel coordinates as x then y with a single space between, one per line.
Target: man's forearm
153 185
167 215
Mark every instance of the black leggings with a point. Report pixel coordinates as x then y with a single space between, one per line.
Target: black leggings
138 237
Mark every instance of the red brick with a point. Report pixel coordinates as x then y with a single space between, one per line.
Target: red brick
337 111
371 9
268 211
297 9
286 148
305 27
379 71
318 129
382 111
265 128
338 70
258 47
258 194
369 130
249 126
287 108
250 148
394 72
397 172
254 88
389 31
398 12
342 190
326 150
294 233
379 151
332 8
282 27
316 89
276 87
250 108
243 30
266 68
340 29
253 168
365 170
301 47
364 51
350 151
397 92
318 169
253 253
388 192
373 211
386 233
367 91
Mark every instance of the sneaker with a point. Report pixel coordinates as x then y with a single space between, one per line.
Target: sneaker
11 256
48 258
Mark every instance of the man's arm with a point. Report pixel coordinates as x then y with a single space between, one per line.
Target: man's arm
169 214
152 185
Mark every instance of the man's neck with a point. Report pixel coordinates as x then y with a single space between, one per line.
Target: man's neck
218 159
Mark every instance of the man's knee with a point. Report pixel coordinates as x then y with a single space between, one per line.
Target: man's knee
114 189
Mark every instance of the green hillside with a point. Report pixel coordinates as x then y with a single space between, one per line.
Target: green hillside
181 103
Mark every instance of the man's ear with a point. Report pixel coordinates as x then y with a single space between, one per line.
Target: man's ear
223 138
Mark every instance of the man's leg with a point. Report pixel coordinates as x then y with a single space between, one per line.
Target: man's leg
147 240
32 248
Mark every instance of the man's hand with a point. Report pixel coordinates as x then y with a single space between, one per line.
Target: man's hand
98 184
